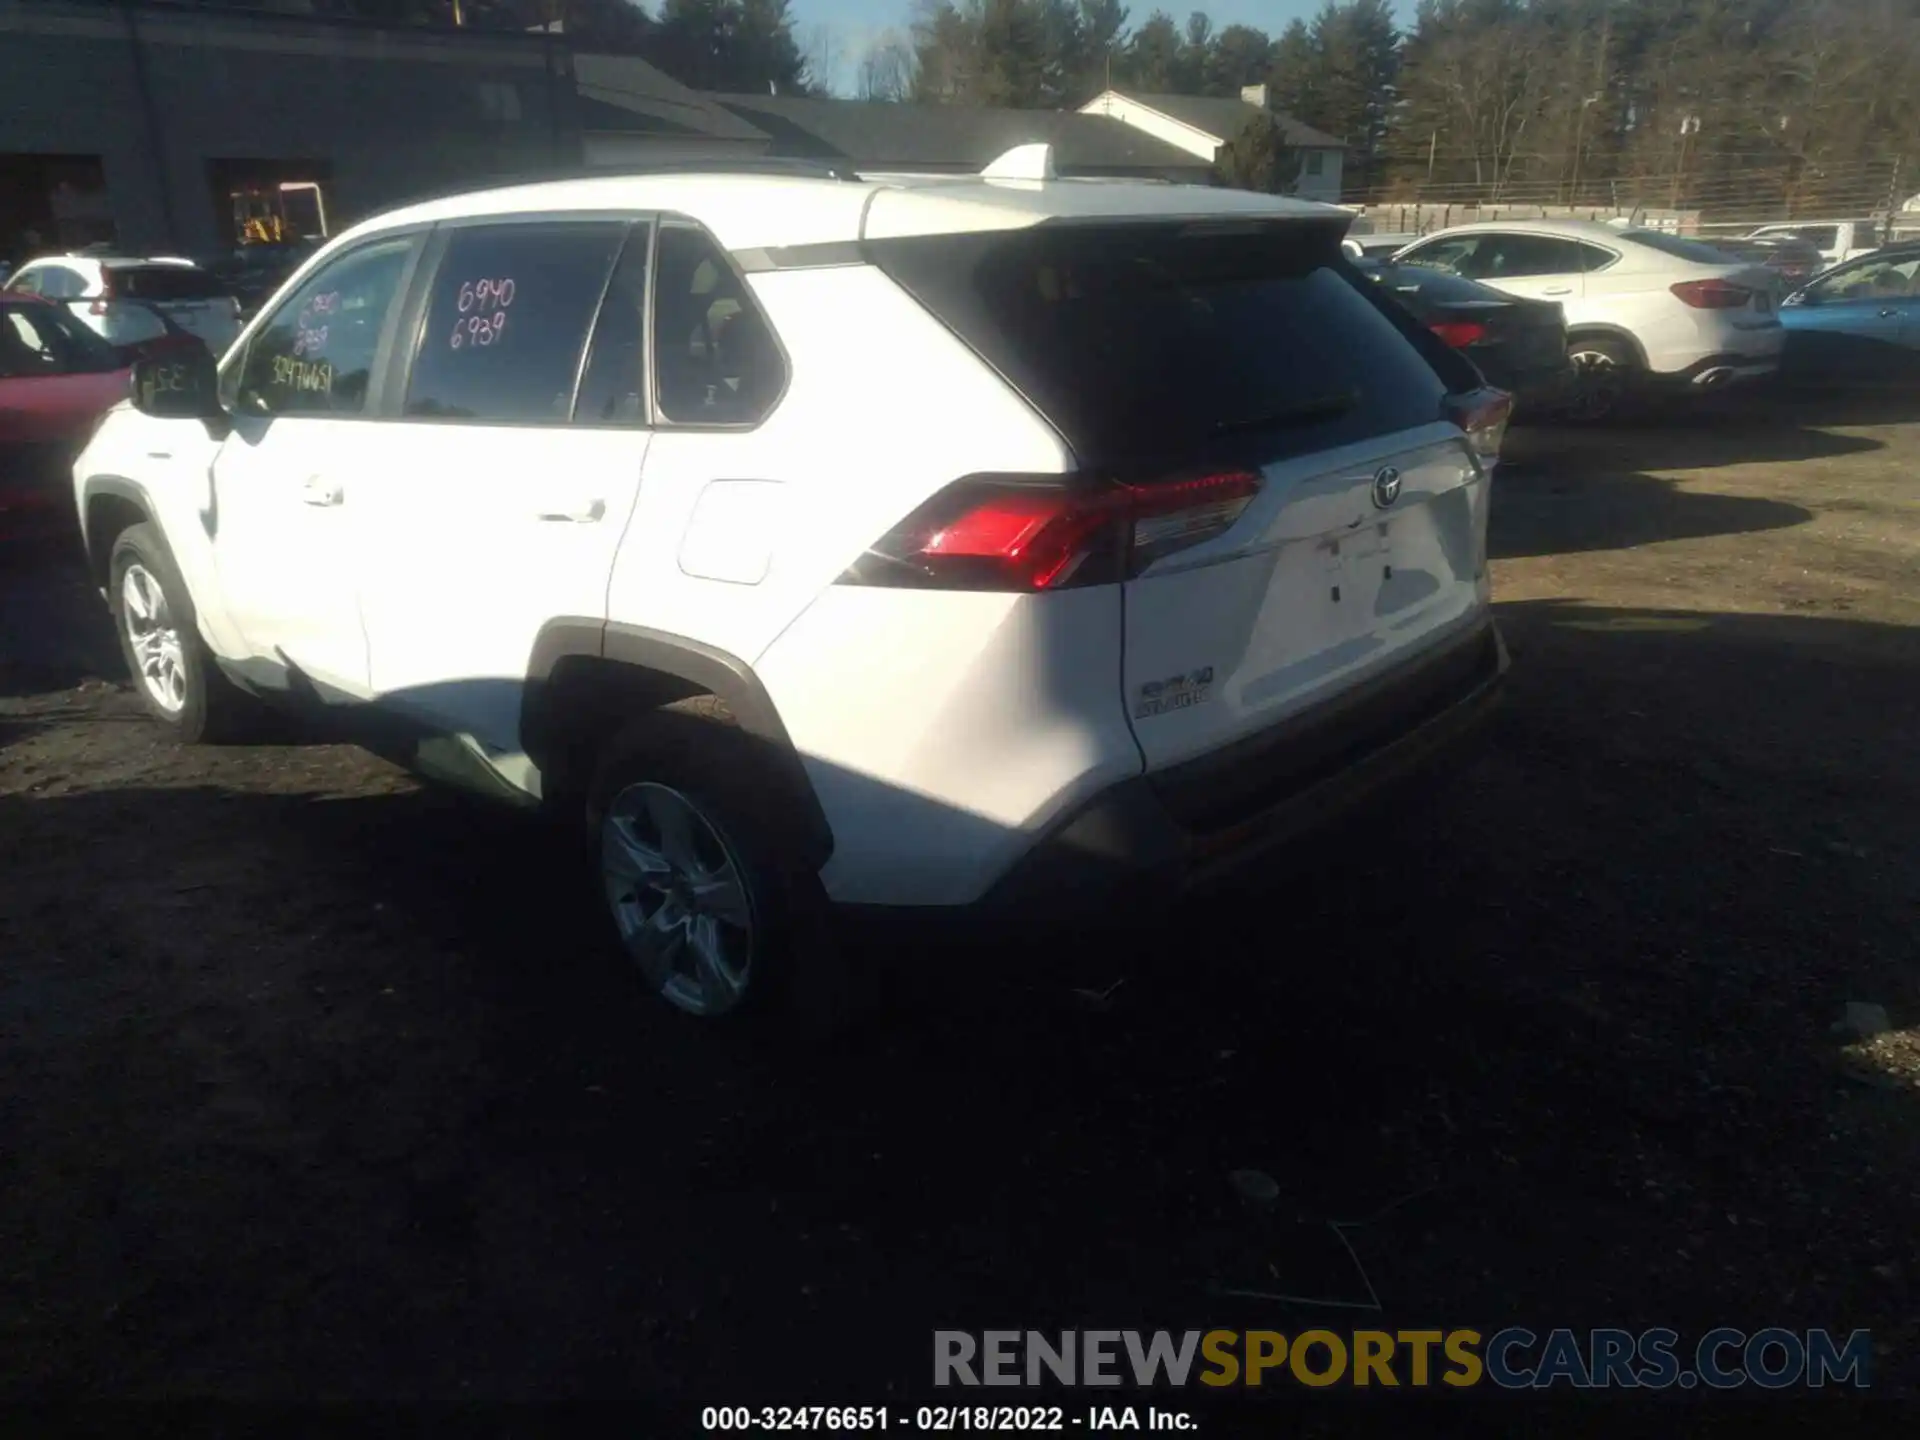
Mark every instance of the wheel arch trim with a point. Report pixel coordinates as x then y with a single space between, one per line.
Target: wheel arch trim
119 487
703 667
1576 333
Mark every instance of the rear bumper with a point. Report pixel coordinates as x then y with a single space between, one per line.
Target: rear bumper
1199 822
1719 371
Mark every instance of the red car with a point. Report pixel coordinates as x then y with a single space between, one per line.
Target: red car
57 378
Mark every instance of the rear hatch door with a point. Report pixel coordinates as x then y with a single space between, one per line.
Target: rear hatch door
1182 353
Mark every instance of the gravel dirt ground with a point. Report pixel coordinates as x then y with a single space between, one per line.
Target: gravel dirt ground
316 1083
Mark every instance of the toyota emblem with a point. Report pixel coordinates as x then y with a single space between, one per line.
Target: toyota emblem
1386 486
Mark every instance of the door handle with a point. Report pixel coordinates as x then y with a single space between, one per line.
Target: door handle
585 513
1558 290
321 491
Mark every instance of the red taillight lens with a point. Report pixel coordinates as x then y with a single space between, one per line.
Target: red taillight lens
1483 415
1034 537
1712 294
1460 333
1031 534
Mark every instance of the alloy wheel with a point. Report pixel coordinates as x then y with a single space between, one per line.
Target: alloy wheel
1599 383
153 639
679 898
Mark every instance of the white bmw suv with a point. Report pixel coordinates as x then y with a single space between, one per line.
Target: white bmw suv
1643 308
816 540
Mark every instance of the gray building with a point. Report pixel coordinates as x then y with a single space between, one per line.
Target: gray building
135 123
160 126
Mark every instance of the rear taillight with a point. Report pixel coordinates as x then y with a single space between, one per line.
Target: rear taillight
1483 415
1042 533
1460 333
1712 294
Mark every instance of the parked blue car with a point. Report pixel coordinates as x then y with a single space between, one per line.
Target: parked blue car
1857 323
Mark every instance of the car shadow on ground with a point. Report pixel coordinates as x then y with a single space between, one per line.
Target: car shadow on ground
1569 489
342 1095
1541 507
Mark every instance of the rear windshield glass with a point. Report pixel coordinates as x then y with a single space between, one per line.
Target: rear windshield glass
1697 251
1150 340
166 283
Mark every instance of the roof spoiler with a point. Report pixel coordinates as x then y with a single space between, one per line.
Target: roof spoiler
1023 162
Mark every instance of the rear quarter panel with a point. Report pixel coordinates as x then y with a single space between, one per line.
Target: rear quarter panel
940 730
883 407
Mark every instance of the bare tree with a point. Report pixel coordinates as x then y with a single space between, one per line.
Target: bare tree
886 69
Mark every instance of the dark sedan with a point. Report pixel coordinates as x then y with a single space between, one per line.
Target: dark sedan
1519 345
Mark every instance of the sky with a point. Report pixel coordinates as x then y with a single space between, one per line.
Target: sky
852 25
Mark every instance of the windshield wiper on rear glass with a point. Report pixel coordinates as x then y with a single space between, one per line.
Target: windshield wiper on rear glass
1300 412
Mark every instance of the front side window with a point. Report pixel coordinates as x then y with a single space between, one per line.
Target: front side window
716 361
314 355
507 321
1874 279
1455 254
1508 257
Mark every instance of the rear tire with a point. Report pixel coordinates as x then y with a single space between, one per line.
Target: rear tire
1606 378
705 894
173 671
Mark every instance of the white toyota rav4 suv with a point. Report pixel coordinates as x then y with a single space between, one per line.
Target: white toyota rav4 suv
1642 307
817 540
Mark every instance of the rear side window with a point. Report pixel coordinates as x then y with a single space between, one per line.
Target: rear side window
167 283
1149 341
507 322
715 357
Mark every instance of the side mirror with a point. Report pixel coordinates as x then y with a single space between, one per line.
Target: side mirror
183 384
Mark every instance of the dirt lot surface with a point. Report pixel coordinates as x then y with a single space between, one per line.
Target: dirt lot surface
316 1083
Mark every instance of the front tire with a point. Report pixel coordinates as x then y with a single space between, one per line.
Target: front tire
173 671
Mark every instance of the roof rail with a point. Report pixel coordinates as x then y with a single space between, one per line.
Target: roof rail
740 165
736 165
